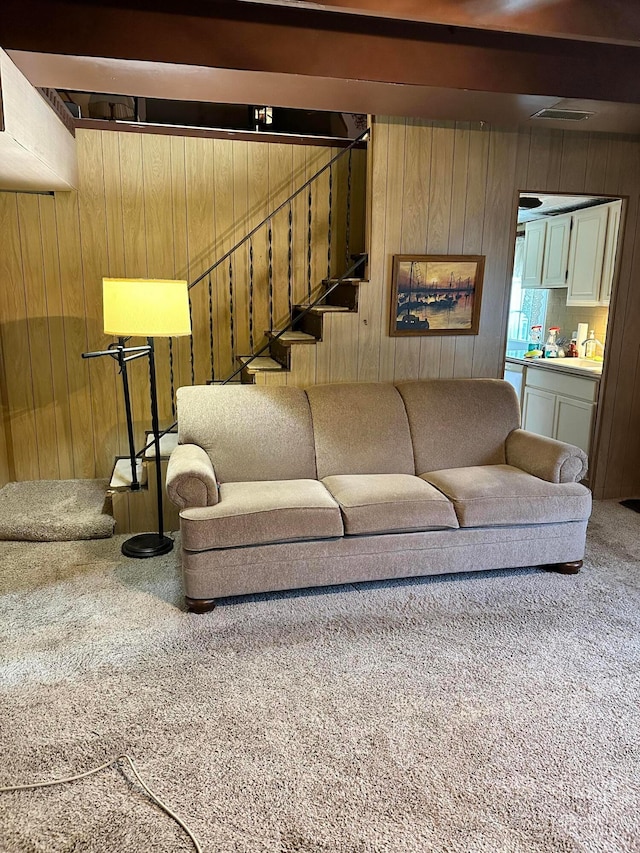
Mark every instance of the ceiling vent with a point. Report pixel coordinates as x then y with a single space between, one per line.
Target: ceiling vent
563 115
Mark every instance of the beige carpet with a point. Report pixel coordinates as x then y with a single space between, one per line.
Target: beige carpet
470 713
55 510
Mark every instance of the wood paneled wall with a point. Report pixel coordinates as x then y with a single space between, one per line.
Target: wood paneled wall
145 207
452 188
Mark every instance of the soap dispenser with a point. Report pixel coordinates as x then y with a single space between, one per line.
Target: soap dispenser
590 345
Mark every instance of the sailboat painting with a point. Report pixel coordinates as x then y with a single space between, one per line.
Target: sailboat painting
436 294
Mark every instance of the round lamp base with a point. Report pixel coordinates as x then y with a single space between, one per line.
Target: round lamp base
147 545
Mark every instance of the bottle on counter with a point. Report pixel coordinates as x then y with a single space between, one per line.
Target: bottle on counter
590 345
535 339
572 352
551 346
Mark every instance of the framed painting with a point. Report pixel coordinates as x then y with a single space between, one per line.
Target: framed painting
436 294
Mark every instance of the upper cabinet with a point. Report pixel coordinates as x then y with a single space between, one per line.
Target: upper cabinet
546 251
556 251
576 251
610 250
534 236
586 255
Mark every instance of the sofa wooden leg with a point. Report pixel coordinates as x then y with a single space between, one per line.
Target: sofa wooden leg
199 605
565 568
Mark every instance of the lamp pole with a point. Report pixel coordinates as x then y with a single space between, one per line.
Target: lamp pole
152 544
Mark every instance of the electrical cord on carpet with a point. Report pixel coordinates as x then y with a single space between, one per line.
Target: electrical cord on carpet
104 766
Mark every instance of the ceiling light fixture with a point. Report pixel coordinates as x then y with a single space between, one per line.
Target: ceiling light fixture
529 202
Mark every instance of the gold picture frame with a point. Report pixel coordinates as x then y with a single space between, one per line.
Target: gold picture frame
436 295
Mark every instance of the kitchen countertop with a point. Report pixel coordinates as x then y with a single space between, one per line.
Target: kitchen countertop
577 366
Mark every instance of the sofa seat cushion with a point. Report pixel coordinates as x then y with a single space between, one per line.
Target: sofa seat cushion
491 495
389 503
260 513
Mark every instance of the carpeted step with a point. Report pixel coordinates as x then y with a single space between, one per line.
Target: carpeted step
55 510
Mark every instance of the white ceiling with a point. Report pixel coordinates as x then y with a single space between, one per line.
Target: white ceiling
553 204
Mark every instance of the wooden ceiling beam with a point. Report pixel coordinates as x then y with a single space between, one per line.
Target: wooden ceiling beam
302 41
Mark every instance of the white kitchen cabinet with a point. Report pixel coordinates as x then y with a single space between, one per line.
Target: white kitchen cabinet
586 255
534 238
560 405
514 374
614 210
556 251
538 411
573 421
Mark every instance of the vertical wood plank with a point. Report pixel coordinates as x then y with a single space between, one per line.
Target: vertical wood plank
200 223
241 257
371 301
258 195
440 190
181 346
462 137
392 235
415 212
38 334
573 167
224 241
76 339
344 348
498 237
17 368
303 365
93 231
56 323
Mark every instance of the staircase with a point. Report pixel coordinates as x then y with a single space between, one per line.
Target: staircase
339 296
309 231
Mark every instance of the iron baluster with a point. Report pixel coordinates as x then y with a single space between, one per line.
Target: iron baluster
290 260
270 240
251 295
356 143
211 358
309 219
192 359
231 317
348 234
329 223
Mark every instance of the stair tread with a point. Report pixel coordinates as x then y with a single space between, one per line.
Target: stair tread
260 363
168 442
325 309
121 475
293 337
328 281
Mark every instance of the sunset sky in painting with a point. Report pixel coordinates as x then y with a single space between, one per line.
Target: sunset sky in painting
426 272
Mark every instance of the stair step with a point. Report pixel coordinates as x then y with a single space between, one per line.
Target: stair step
324 309
259 364
121 475
327 282
168 442
292 336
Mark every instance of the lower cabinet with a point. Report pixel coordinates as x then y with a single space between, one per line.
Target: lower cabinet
560 405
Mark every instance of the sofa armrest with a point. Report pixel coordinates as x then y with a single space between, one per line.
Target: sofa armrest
191 480
546 458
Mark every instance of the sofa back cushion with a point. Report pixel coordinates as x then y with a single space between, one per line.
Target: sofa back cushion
250 432
360 428
456 423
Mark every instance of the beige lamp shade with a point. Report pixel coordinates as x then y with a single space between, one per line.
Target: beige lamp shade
145 307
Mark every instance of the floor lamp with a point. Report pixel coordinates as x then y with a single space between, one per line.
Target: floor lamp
150 308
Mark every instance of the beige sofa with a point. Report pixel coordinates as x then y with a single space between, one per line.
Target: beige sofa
282 488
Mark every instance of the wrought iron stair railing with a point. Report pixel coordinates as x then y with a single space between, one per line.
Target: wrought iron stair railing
241 260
